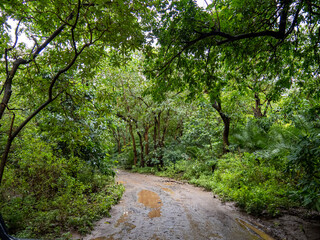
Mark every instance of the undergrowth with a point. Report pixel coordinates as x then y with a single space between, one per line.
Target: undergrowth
45 196
257 186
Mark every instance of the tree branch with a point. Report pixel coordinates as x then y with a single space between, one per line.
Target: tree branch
32 115
11 48
311 5
281 34
56 77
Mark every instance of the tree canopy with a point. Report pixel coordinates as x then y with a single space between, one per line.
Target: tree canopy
225 96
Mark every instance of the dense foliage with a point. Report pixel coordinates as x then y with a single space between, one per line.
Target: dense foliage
252 91
225 96
55 171
45 194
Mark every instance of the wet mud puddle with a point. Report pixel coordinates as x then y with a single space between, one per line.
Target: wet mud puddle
151 200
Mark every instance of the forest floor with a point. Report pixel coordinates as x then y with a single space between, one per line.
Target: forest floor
161 208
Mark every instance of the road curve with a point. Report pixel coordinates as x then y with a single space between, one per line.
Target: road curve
161 208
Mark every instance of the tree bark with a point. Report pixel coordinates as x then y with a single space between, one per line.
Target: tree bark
117 137
158 127
165 128
135 154
124 136
118 140
155 133
5 157
226 121
257 109
16 64
142 149
146 139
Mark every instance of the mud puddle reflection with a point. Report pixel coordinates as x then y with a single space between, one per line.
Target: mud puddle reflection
151 200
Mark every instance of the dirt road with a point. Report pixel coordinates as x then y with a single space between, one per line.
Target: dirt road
160 208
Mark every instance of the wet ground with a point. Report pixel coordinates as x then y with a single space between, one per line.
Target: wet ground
161 208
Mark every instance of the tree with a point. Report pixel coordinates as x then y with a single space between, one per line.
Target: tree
68 38
204 50
185 27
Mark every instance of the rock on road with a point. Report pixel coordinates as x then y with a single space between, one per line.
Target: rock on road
161 208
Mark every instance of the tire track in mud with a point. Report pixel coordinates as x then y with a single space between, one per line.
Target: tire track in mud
160 209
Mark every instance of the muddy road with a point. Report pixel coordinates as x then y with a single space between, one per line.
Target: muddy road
161 208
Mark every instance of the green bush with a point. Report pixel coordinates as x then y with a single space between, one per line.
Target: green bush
257 185
125 158
252 182
43 196
304 165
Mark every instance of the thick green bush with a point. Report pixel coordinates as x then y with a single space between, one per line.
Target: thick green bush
44 196
255 184
304 165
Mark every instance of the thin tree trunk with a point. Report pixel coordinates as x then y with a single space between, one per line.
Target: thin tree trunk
142 149
117 137
226 121
124 137
146 139
5 157
16 64
158 128
119 146
155 133
165 129
257 109
135 155
159 143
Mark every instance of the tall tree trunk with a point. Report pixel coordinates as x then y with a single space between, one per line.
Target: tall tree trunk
124 136
226 121
119 146
142 149
165 128
117 137
135 154
146 139
155 133
158 127
5 157
257 109
159 143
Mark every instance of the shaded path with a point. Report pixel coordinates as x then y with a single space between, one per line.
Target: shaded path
161 208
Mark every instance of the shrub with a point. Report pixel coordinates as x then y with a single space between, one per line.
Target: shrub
43 195
257 185
252 182
304 165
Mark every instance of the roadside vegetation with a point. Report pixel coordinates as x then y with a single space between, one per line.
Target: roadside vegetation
265 180
60 178
225 96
